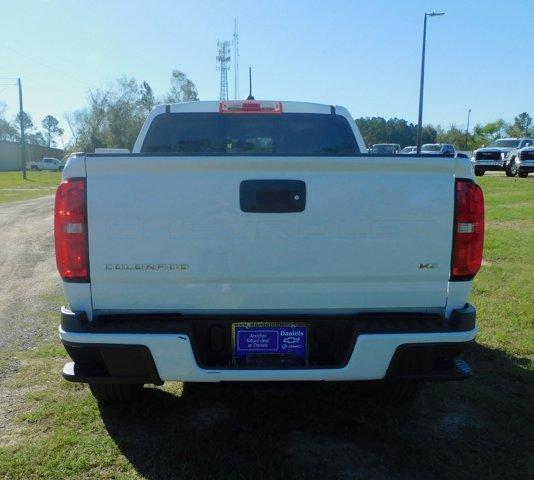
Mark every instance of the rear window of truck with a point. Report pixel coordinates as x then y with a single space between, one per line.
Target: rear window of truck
261 134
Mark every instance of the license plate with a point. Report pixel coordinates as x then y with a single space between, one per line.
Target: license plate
253 338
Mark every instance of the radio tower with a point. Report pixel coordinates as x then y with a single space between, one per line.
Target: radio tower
223 64
236 60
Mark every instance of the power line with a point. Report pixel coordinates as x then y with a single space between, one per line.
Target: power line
49 86
5 88
55 69
13 82
6 85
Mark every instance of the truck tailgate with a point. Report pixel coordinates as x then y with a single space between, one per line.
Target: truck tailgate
166 233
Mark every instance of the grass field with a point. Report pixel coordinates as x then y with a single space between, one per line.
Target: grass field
37 184
479 429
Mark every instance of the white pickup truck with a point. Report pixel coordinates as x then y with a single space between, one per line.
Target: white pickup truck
500 155
255 241
47 163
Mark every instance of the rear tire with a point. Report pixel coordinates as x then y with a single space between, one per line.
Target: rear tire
522 174
34 168
511 170
115 392
479 173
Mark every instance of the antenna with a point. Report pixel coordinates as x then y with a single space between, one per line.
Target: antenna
236 60
223 64
250 97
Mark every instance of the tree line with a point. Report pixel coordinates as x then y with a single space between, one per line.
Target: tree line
114 115
398 130
47 136
112 118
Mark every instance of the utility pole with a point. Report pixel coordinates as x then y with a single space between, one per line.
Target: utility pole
467 129
420 122
22 140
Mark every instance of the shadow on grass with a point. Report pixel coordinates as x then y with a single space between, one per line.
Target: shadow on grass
320 430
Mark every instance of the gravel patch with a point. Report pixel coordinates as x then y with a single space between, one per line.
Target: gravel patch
28 281
27 271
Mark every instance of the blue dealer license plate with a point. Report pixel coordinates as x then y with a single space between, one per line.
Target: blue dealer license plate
269 338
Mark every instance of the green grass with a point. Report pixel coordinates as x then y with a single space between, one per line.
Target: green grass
481 428
37 184
504 289
508 198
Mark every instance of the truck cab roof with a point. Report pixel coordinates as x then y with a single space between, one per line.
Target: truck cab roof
215 106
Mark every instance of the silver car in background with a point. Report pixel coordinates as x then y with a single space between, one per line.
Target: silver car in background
438 149
385 149
409 150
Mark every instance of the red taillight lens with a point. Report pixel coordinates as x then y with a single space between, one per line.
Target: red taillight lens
70 231
250 106
468 239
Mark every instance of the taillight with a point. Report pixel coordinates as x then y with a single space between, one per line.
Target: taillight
468 239
250 106
70 231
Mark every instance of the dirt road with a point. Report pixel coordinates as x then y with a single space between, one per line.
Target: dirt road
28 277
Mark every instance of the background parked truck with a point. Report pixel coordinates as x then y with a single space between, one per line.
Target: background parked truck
47 163
500 155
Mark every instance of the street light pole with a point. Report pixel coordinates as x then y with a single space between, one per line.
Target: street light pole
420 120
467 129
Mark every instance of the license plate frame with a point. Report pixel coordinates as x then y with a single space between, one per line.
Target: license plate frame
270 339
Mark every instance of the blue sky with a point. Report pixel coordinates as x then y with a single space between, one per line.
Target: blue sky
364 55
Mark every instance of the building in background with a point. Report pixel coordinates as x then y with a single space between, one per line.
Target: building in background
10 155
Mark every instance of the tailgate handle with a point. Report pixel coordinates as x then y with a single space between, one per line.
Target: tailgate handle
272 196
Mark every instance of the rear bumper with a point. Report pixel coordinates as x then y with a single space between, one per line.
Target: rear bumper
141 356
